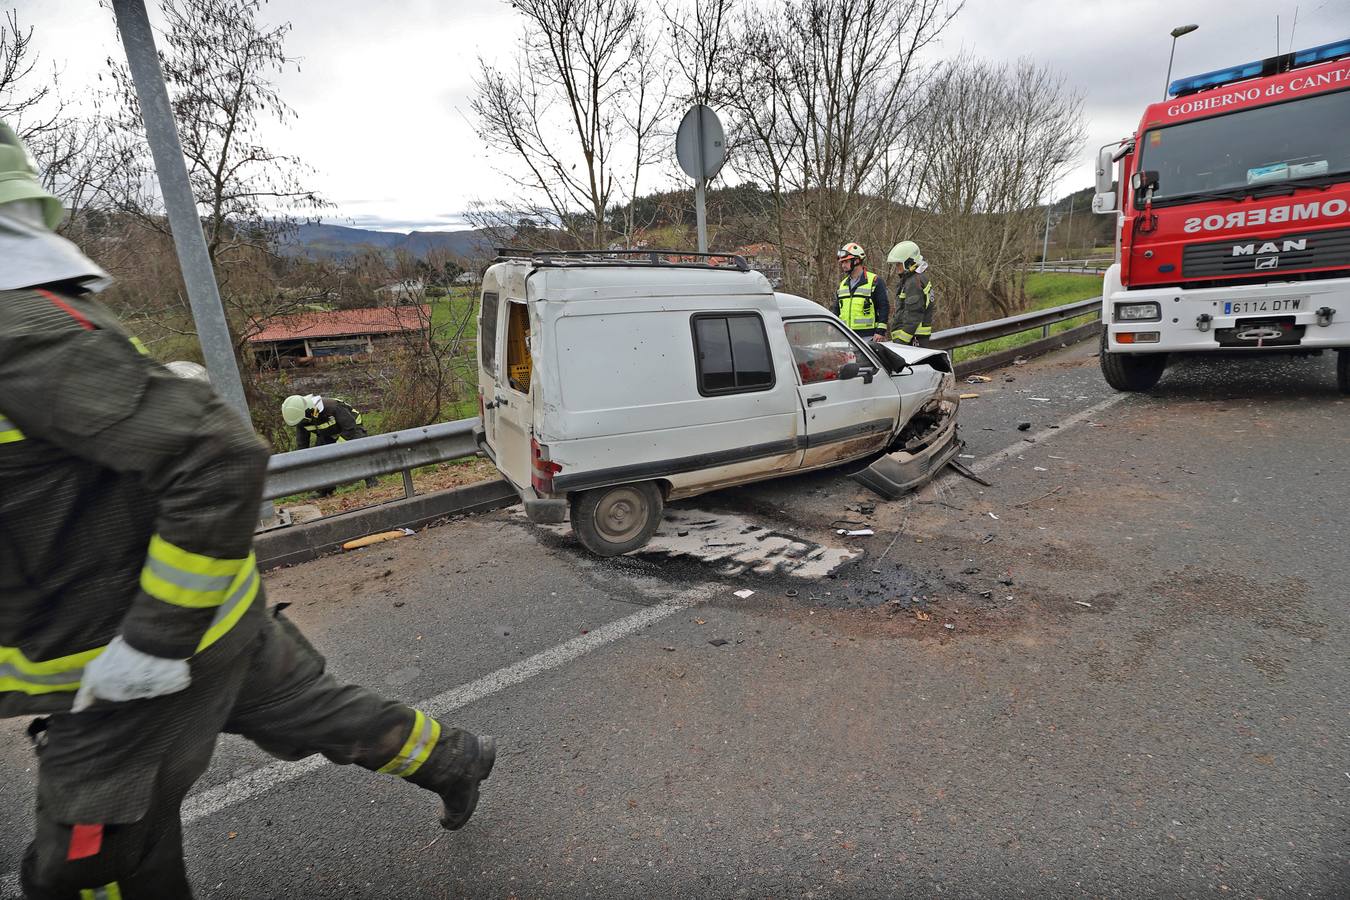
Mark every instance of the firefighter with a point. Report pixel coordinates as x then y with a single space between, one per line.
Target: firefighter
861 299
325 420
913 322
132 614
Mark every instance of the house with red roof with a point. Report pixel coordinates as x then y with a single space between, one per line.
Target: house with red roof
311 337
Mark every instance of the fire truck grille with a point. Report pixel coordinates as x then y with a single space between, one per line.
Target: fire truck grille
1306 250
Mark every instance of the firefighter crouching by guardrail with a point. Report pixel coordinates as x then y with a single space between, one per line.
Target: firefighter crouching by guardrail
912 322
323 421
131 611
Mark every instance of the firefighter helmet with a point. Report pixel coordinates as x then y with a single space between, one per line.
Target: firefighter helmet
295 408
905 254
853 250
18 180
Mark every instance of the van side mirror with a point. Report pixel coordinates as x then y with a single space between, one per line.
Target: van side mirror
853 370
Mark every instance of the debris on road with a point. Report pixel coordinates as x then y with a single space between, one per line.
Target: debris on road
970 396
743 594
949 626
719 642
992 516
1083 603
978 379
857 532
1053 490
668 649
1024 426
1040 399
379 538
923 616
1040 468
1020 361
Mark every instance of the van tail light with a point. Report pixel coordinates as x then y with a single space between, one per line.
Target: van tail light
542 469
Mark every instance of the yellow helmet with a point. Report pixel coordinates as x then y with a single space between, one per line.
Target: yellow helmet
905 254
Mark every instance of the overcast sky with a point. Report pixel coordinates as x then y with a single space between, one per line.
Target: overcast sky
382 94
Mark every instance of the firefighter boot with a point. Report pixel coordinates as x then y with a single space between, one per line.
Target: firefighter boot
459 763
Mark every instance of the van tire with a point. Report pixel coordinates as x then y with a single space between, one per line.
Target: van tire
1343 370
1131 371
613 520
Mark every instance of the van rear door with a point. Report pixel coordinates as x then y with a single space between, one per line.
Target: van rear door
510 405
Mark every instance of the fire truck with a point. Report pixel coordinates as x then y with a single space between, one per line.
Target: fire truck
1232 205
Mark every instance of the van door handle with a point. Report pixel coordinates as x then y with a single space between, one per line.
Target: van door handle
816 399
502 401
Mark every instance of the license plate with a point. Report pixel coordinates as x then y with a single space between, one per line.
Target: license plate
1245 307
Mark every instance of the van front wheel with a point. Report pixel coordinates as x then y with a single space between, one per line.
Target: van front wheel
613 520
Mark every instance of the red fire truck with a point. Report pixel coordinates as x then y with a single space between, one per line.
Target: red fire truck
1233 218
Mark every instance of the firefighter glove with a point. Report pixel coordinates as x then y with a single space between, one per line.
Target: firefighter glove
122 673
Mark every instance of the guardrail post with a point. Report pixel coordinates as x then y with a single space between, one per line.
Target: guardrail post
1045 330
408 489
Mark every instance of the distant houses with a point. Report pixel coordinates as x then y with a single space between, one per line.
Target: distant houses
414 290
311 337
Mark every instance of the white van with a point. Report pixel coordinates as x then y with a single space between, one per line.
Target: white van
612 383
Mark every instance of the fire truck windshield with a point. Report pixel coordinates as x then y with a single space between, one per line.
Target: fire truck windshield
1250 151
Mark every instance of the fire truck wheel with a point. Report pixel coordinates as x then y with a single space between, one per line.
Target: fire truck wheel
1131 372
1343 370
613 520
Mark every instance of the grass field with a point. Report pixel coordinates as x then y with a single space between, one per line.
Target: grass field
1046 289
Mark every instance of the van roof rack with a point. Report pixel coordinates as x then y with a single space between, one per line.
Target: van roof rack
677 259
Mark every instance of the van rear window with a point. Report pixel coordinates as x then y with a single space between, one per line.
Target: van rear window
487 333
732 353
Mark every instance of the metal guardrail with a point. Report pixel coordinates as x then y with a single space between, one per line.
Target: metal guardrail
402 451
1094 266
397 451
964 336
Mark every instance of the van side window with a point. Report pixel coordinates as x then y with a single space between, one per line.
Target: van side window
820 349
487 333
519 365
731 353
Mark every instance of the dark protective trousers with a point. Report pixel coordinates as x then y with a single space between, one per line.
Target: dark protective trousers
111 779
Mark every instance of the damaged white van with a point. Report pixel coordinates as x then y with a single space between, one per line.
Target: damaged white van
611 383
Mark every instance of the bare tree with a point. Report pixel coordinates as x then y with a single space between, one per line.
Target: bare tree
219 62
574 113
824 115
998 139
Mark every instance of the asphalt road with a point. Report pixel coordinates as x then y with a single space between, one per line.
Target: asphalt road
1142 694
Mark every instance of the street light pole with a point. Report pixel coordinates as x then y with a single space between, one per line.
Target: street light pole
1176 33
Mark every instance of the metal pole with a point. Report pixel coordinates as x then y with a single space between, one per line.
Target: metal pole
700 192
162 135
1045 245
161 132
1167 85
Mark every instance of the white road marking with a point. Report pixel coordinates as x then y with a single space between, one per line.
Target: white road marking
979 467
260 781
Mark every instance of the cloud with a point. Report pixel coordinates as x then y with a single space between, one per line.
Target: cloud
383 90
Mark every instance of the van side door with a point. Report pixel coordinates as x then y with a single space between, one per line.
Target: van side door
845 418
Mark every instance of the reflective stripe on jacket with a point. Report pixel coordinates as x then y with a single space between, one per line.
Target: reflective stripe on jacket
128 499
914 306
855 303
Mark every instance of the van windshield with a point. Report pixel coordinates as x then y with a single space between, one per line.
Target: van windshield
1302 140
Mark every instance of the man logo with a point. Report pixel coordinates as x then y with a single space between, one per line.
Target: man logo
1267 262
1270 247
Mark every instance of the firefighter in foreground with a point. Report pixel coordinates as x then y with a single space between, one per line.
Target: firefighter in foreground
861 299
913 321
321 421
132 615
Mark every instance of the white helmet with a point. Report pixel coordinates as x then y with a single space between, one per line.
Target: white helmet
295 407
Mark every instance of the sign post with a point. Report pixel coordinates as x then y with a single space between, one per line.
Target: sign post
701 148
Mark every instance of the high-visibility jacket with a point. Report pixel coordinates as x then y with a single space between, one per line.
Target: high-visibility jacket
914 319
128 499
860 306
337 421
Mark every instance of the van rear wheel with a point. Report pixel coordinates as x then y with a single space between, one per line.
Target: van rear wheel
613 520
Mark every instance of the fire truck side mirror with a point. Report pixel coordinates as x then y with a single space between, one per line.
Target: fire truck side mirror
1105 199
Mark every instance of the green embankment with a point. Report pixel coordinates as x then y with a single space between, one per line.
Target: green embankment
1045 289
